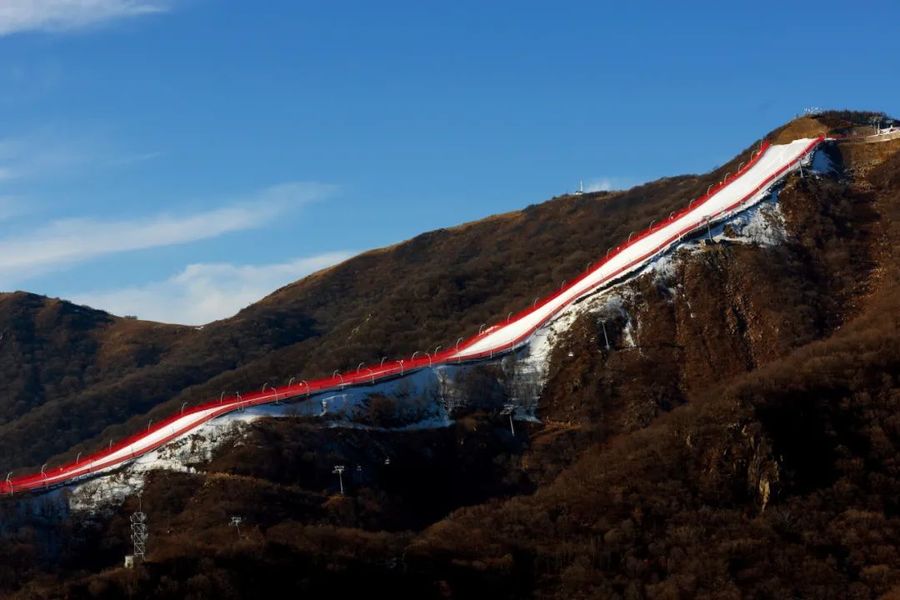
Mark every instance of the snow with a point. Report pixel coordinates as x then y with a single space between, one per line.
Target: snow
433 388
633 257
188 453
183 455
181 426
821 163
763 224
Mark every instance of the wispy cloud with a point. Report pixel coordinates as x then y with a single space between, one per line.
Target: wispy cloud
50 153
64 15
44 154
206 292
65 242
606 184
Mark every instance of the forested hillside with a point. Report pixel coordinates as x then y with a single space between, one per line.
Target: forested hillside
736 437
389 302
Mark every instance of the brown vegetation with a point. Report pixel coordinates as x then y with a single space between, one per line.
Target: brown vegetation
390 302
747 451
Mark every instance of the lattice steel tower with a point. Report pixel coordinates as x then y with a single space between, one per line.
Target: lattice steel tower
139 533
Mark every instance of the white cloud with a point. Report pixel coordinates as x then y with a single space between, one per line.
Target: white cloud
62 15
51 153
206 292
65 242
606 184
42 155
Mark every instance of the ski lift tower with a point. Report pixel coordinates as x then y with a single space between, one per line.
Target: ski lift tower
236 523
339 471
509 409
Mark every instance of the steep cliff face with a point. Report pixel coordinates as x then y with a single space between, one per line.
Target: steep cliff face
724 423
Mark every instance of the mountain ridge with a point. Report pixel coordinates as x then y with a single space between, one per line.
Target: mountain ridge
462 298
736 434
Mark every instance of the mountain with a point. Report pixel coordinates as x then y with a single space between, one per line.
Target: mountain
388 302
723 424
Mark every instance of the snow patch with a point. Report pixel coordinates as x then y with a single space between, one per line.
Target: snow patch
183 455
762 224
427 396
821 163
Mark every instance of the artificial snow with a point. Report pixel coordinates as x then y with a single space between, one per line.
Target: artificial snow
430 396
746 188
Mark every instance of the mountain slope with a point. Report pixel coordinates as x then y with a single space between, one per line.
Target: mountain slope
736 438
778 483
389 302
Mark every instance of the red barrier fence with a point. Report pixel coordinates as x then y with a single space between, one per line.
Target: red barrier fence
369 374
693 205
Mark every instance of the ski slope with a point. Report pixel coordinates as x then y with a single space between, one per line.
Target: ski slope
748 186
737 191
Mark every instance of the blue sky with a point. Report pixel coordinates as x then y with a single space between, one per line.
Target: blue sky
178 159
